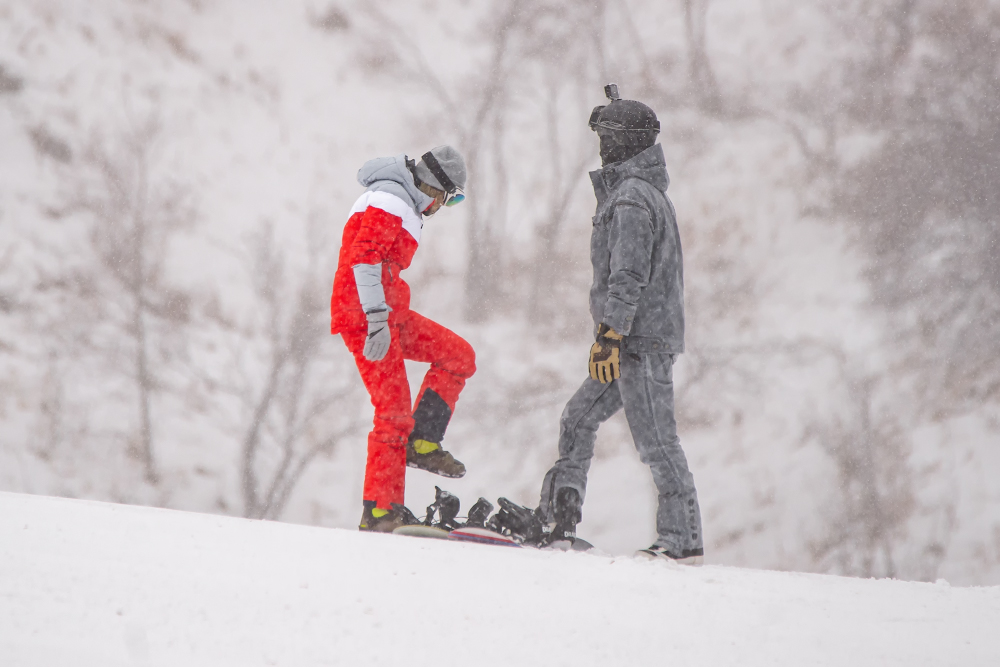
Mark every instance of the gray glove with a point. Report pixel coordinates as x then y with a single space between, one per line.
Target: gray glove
378 335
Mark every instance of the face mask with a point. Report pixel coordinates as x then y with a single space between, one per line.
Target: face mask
612 151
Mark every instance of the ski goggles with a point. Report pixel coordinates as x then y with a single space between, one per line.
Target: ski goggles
453 193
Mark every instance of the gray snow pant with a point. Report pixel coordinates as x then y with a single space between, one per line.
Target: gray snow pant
646 391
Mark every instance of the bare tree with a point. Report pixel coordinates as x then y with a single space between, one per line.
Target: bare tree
558 46
297 408
10 84
871 453
8 290
478 113
702 76
925 197
134 214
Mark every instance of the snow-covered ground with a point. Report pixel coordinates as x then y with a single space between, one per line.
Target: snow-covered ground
88 583
265 112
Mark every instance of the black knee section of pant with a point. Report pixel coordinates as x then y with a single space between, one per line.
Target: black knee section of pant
431 418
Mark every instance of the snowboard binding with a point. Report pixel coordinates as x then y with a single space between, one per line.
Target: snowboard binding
519 522
522 526
445 506
479 514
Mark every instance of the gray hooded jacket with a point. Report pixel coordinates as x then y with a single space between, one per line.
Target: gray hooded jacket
389 174
635 249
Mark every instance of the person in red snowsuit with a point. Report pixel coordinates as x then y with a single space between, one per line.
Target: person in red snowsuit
370 309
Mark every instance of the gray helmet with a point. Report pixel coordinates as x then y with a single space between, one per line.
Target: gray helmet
442 168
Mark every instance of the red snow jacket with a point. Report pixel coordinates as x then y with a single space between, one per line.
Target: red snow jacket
382 228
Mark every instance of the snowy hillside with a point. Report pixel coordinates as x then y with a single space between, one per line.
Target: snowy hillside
88 583
814 443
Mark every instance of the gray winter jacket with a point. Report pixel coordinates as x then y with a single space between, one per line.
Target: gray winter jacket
389 174
635 248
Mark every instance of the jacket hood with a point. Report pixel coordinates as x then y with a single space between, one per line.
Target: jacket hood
382 172
648 165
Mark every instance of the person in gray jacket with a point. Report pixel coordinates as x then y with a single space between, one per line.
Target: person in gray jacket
637 302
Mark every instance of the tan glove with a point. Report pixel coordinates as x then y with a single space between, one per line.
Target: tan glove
605 355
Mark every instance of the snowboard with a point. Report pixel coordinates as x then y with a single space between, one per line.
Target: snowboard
482 536
512 526
420 530
485 536
465 534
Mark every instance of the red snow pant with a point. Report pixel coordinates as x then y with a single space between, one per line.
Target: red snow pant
416 338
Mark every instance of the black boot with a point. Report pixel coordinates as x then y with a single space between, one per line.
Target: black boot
385 521
423 449
568 512
429 456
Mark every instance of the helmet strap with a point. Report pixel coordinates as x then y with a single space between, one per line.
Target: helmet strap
439 172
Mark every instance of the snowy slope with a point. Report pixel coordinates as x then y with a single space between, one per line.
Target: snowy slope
88 583
260 124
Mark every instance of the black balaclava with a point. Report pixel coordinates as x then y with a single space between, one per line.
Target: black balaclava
625 127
